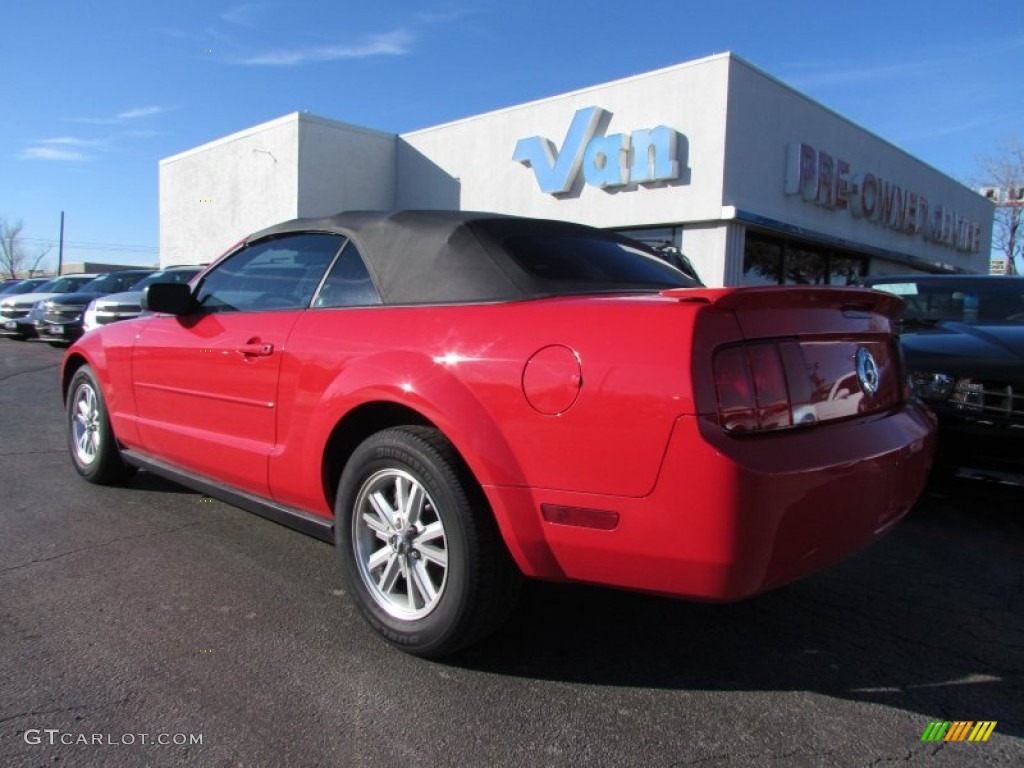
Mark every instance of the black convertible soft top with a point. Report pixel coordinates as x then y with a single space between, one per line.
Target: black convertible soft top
432 257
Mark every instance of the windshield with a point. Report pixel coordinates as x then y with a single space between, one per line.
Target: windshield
968 300
27 286
66 284
113 283
167 276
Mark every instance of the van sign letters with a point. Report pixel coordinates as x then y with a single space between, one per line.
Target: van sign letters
644 156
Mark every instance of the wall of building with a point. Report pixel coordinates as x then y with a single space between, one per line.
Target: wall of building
707 248
766 117
471 161
98 267
707 146
343 167
214 195
296 166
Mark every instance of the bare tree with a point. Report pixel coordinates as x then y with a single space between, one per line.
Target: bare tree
14 259
1002 176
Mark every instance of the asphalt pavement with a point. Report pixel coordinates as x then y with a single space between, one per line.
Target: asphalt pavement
150 625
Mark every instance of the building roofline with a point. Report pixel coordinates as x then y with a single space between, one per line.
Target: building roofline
840 116
588 89
292 117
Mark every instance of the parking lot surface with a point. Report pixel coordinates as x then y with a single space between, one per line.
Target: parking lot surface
150 625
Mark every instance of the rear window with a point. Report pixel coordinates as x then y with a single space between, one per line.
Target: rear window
594 264
969 301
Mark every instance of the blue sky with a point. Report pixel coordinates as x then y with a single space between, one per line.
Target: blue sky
97 93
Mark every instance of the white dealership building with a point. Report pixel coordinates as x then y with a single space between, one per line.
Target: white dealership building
751 179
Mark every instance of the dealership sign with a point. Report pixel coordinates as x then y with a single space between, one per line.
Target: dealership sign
822 179
643 156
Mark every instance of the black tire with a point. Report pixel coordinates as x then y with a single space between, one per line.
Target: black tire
91 442
449 578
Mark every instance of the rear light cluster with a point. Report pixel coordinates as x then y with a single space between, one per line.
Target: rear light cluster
782 384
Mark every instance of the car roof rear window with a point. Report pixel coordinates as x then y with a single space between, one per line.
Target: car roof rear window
593 263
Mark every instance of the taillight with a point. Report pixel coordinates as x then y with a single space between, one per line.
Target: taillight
751 387
737 409
786 383
773 404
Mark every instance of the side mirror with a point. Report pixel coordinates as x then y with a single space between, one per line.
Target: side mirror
169 298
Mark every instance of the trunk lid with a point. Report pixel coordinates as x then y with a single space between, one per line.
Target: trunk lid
805 356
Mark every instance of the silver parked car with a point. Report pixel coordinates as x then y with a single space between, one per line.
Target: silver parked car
128 304
15 322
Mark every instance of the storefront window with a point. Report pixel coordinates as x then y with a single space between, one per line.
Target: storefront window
804 266
762 263
846 271
656 236
778 261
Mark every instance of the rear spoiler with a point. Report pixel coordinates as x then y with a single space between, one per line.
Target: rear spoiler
792 297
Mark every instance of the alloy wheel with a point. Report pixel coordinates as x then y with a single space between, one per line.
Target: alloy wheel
400 544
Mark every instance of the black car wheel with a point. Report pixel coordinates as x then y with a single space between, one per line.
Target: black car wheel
418 545
91 440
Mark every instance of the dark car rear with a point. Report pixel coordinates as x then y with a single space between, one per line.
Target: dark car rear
963 338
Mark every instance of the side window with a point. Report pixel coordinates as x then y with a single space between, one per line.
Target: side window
279 273
349 283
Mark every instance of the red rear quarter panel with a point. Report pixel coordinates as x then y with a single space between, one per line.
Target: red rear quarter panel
462 368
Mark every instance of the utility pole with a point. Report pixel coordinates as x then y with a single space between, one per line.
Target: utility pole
1010 199
60 247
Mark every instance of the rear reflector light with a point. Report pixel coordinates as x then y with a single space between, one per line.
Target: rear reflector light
582 517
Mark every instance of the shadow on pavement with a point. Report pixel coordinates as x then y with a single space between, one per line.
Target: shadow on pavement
930 620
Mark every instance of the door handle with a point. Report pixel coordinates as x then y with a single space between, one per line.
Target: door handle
256 349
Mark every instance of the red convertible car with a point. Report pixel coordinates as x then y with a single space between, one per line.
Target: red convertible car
459 400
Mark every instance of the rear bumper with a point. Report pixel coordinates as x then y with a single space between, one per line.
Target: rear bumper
980 449
729 517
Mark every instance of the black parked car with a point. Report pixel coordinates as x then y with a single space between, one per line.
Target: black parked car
963 338
61 319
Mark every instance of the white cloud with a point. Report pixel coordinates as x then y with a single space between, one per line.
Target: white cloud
129 114
804 74
824 76
72 148
444 17
51 153
243 15
95 120
72 141
395 43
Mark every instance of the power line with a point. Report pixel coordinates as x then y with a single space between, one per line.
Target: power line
92 246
